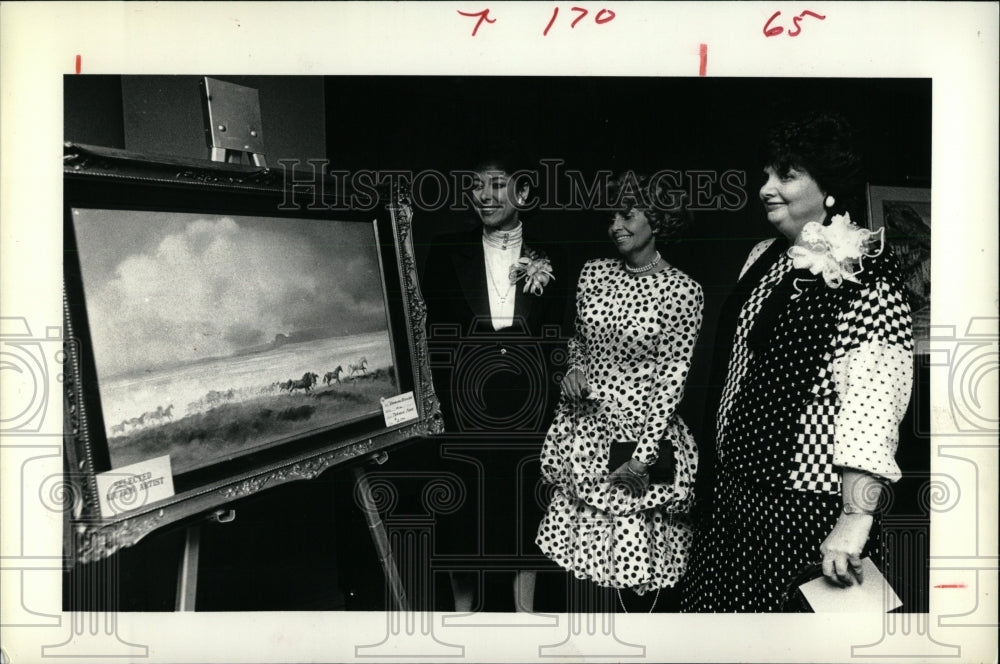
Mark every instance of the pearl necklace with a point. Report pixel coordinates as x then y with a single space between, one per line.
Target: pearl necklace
500 239
643 268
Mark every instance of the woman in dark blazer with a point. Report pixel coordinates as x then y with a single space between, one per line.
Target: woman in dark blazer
495 305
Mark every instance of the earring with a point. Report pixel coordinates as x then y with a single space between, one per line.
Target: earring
829 201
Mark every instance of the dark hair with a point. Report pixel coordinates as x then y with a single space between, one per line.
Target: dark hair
502 154
824 145
664 208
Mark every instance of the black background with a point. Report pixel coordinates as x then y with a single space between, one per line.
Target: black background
305 545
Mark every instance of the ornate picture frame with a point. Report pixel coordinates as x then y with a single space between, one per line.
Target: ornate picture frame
226 335
905 213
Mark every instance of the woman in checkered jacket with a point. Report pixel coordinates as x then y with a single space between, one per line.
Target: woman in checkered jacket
818 377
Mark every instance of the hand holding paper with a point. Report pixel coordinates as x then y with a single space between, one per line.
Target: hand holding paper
872 594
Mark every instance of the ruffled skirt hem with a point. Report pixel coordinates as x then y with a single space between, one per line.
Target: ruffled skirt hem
642 551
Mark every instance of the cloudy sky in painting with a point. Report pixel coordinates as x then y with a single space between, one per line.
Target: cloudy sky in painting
166 288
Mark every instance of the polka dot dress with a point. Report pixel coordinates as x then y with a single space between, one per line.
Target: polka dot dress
819 379
634 338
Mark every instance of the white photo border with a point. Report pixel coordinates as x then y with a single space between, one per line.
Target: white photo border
954 44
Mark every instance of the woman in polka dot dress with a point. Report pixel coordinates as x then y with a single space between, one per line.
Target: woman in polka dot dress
819 372
637 322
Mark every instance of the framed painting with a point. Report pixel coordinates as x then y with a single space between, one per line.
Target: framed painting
905 213
227 337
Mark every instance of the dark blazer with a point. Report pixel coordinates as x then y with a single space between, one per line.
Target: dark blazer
492 381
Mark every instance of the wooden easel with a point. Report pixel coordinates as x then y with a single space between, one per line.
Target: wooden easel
187 575
381 539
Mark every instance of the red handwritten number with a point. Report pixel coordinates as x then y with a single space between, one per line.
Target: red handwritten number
800 17
604 16
773 32
794 32
78 59
483 16
555 12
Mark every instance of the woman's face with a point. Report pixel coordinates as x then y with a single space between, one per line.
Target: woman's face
631 232
492 198
791 200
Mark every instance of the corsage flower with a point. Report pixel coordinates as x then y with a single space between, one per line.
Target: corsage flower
536 270
835 251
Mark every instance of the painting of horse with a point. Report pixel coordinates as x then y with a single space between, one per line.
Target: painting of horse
305 383
242 340
358 367
332 377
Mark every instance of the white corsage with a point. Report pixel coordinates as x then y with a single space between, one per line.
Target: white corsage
835 251
534 268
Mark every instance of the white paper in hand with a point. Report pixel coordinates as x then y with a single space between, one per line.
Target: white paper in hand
874 594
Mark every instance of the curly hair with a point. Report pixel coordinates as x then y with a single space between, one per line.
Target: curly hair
824 145
665 209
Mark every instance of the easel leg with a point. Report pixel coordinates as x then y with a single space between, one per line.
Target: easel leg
187 576
381 540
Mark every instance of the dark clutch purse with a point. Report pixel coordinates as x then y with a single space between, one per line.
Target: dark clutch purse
661 472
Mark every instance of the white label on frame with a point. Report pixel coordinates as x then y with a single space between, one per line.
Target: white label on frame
130 487
399 409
